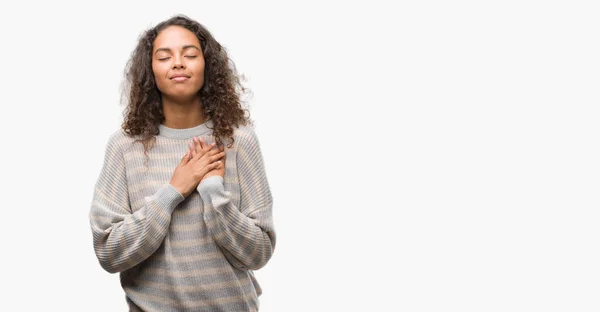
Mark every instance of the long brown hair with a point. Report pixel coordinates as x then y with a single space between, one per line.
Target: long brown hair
220 95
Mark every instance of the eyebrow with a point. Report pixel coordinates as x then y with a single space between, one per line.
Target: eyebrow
189 46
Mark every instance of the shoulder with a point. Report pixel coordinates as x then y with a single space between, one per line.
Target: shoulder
245 137
118 141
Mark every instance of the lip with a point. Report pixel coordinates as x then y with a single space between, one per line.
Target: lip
180 77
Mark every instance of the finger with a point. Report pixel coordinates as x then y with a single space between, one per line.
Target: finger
209 155
210 167
185 158
192 151
197 147
214 151
208 147
202 142
217 156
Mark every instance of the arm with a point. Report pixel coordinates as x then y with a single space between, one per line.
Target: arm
123 239
245 234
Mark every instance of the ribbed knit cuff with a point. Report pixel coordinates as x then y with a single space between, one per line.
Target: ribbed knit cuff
167 197
210 185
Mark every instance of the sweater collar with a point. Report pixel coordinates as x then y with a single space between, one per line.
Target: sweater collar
186 133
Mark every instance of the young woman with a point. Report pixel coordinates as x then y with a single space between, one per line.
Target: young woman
182 208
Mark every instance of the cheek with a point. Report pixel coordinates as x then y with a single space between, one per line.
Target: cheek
199 72
198 69
159 75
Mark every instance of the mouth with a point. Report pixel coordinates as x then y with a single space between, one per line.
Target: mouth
180 78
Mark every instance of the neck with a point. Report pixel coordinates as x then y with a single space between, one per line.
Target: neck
183 114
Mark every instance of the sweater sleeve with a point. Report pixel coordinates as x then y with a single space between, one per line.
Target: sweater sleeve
245 234
123 239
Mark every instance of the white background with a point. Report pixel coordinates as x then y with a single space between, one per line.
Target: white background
427 156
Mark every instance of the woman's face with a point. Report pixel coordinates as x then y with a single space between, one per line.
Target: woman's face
178 63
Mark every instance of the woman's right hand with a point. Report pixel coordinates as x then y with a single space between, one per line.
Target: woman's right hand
197 162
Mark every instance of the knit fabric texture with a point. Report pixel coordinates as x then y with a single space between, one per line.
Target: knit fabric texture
176 253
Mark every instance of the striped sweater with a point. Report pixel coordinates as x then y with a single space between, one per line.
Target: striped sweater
177 253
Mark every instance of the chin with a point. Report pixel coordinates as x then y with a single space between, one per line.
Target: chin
182 96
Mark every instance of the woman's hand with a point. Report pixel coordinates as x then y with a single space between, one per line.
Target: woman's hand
220 169
195 164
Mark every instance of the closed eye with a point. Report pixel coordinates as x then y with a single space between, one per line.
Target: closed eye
164 58
191 56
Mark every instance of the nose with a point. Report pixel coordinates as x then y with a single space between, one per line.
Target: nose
177 64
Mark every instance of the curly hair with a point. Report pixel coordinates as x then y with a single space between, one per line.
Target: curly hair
220 95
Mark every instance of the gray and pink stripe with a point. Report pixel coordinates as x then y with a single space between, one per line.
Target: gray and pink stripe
183 254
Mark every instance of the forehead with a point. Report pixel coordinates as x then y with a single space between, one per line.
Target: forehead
175 37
